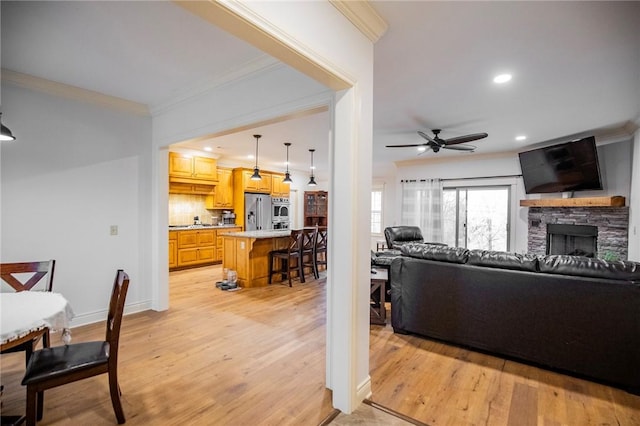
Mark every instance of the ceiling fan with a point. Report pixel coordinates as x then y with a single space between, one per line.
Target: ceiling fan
436 142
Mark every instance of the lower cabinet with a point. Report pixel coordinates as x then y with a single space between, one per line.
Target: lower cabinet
173 249
193 247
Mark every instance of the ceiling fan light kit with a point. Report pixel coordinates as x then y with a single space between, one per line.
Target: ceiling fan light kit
256 170
436 143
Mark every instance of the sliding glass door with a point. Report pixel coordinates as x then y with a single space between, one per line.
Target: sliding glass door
477 217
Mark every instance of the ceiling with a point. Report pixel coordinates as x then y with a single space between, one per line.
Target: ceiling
575 68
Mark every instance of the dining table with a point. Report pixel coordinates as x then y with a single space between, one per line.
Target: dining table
25 315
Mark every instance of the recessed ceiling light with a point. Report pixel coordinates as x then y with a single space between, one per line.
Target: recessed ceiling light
250 157
502 78
521 138
208 148
422 148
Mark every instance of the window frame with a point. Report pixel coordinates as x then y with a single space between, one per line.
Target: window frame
380 189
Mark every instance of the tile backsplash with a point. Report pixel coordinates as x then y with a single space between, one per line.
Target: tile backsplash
183 207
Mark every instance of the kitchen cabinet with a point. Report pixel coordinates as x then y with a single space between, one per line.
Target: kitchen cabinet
315 208
220 240
222 197
192 169
191 188
242 177
195 247
173 249
279 189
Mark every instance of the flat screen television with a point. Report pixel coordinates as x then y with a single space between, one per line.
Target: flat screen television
566 167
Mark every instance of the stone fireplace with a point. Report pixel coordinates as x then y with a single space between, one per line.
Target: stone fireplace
609 224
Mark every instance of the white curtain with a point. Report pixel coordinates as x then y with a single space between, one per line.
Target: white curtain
422 206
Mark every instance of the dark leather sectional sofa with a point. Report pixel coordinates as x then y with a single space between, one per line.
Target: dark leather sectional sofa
574 314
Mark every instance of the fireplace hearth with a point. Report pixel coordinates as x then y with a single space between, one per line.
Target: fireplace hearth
576 240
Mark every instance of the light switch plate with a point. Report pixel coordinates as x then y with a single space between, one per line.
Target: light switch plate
114 230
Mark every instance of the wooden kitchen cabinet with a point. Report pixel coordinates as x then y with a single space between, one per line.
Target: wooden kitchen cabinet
242 177
183 167
173 249
196 247
191 188
222 197
220 240
315 208
279 189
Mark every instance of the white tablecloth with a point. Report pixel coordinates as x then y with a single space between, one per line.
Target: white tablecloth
27 311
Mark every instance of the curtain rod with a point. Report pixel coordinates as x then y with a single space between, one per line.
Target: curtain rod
465 178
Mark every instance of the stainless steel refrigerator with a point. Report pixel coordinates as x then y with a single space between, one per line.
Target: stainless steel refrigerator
257 212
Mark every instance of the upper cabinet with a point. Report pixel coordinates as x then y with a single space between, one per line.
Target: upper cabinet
242 178
190 169
223 195
279 189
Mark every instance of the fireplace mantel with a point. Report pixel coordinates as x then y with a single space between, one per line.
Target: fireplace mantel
613 201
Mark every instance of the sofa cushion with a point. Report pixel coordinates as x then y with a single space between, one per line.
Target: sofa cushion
589 267
435 252
503 260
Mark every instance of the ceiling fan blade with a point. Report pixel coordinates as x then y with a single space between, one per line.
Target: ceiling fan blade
469 148
406 146
467 138
427 137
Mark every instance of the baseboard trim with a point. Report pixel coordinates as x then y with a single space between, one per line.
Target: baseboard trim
98 316
364 389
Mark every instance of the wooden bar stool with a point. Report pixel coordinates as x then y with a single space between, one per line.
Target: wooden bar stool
308 250
289 256
321 247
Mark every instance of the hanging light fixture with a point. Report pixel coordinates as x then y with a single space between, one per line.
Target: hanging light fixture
287 176
312 181
5 133
256 171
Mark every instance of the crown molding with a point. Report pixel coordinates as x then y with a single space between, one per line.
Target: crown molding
259 65
363 16
240 20
74 93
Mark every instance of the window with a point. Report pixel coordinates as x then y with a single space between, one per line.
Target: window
376 211
477 217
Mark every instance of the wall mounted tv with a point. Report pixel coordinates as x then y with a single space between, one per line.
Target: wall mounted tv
566 167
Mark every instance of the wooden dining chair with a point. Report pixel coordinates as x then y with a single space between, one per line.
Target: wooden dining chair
308 250
289 258
321 247
59 365
24 276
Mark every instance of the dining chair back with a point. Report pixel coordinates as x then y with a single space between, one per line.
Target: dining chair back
308 250
321 247
289 258
24 276
15 274
59 365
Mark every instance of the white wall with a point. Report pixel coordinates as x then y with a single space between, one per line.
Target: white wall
75 170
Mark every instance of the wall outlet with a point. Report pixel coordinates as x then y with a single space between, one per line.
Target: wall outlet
114 230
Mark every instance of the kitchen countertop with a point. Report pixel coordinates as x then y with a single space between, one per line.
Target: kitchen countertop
191 227
260 234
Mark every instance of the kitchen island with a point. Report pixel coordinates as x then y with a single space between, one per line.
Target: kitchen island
247 253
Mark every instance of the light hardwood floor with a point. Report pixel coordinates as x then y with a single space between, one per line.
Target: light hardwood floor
257 357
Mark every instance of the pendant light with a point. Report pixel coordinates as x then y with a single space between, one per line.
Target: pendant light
5 133
287 176
256 171
312 181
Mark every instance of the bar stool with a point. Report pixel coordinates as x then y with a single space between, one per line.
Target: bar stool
308 250
287 257
321 247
